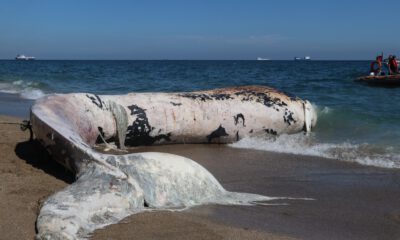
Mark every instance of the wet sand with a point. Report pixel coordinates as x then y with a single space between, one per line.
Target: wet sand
351 201
13 105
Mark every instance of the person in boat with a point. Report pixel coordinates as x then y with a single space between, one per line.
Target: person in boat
393 66
376 66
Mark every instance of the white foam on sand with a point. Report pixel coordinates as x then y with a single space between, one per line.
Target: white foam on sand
302 144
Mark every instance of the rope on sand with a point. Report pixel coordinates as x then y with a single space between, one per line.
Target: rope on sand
25 124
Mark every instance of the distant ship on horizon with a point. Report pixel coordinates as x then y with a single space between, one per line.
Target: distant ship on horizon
306 58
23 57
262 59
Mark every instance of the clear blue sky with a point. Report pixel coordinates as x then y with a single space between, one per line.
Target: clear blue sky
203 29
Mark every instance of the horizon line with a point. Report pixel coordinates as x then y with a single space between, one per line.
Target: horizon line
269 60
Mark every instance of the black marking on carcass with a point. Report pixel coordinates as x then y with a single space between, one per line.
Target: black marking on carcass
236 118
270 102
176 104
263 97
288 117
251 131
96 100
237 136
101 135
139 132
248 92
204 97
221 96
219 132
271 131
196 96
260 97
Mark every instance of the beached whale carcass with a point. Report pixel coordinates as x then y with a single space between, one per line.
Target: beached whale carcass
111 187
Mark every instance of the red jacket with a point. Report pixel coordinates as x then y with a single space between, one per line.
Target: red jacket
393 65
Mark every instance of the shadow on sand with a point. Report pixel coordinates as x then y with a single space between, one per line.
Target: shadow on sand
37 156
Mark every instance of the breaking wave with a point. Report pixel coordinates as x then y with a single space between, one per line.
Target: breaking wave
26 90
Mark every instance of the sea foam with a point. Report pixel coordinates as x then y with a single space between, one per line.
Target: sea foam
26 90
301 144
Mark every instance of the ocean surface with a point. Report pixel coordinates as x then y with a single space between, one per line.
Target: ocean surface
356 122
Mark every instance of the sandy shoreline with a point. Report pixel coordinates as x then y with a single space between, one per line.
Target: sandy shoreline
352 201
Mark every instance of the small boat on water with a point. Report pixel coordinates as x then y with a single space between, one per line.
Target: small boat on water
385 80
23 57
262 59
306 58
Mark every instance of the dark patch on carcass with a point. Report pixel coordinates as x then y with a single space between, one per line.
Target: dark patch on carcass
271 131
251 93
251 131
196 96
219 132
176 104
101 135
260 97
271 102
237 136
236 118
139 132
102 139
288 117
221 96
204 97
96 100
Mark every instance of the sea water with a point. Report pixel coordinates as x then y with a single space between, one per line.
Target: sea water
356 122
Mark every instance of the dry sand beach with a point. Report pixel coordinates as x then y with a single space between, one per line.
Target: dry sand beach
351 201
